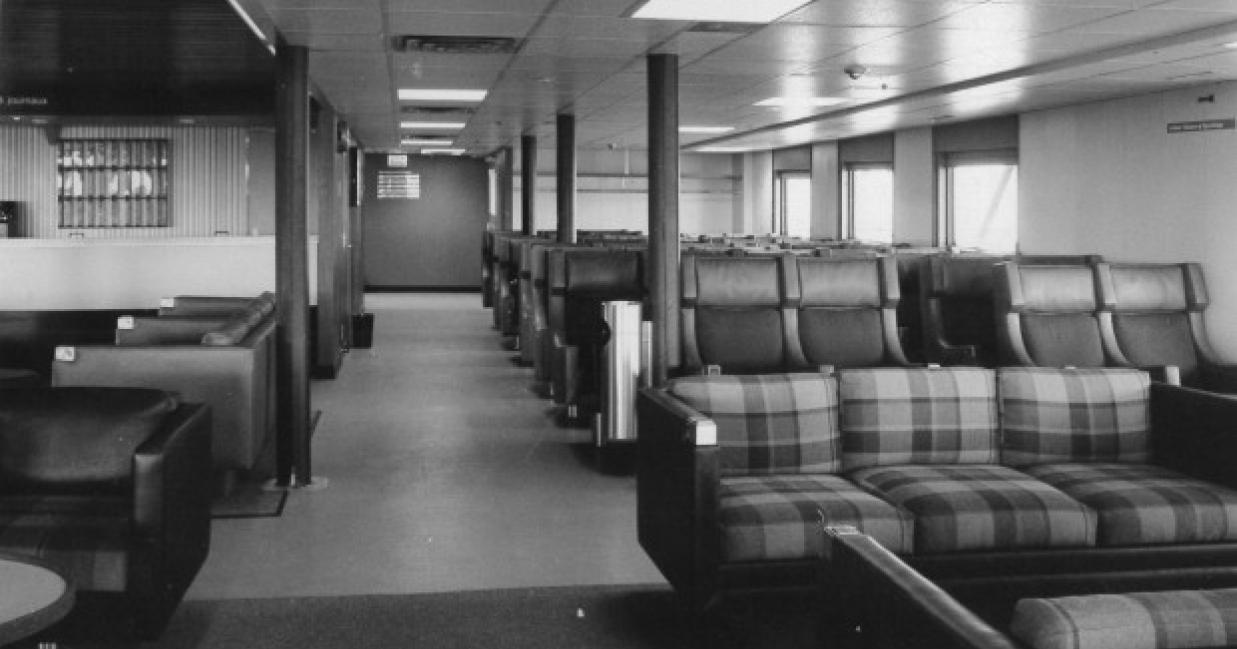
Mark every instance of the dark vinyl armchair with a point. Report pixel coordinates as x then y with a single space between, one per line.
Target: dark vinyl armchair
1157 319
111 487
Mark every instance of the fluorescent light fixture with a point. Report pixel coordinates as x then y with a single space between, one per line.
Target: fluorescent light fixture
432 126
253 26
440 94
422 141
442 151
734 11
1231 46
705 129
801 102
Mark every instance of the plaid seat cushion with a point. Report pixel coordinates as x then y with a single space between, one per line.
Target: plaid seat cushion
1081 415
978 507
1159 620
893 416
770 423
783 517
1142 504
84 538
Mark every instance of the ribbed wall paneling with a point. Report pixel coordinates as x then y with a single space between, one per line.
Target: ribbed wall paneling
25 160
208 185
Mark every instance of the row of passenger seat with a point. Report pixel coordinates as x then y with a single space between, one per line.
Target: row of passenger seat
748 310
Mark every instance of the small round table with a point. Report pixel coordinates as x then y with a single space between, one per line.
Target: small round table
32 597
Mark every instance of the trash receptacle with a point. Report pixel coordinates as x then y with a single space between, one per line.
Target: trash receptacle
620 373
8 219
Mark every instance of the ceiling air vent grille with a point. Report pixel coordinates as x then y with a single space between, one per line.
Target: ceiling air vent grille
456 44
725 27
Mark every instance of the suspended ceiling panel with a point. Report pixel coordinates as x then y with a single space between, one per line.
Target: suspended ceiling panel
922 61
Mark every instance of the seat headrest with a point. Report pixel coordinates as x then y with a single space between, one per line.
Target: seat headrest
610 273
832 282
1139 287
736 281
963 277
1057 288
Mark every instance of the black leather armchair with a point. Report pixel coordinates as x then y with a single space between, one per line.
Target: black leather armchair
112 487
1157 318
847 311
956 302
1054 316
737 315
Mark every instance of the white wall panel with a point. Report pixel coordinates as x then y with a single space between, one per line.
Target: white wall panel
914 181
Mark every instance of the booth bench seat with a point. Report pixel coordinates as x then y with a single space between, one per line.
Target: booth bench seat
221 353
983 479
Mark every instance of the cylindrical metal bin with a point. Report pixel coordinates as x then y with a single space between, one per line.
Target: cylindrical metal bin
620 372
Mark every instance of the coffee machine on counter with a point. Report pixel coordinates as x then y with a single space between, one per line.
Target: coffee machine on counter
8 219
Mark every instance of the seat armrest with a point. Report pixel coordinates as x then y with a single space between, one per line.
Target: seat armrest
1170 374
676 492
957 354
892 602
1218 377
172 477
564 364
1195 432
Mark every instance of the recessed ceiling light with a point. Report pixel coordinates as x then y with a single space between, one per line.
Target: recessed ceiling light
440 94
705 129
801 102
721 149
1231 46
253 26
423 141
442 151
734 11
436 126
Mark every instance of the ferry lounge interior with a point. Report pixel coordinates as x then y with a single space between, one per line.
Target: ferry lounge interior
618 323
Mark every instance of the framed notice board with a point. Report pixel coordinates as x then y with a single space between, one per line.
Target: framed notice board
113 183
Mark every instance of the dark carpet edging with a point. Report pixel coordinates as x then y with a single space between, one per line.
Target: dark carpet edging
642 616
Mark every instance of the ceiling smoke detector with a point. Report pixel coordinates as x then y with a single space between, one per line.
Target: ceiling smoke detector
456 44
855 71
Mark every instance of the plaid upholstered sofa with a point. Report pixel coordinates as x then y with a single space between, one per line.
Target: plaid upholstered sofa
986 481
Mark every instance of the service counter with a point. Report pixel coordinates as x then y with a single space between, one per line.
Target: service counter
85 274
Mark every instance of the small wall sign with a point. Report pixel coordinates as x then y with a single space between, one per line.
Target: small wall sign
1203 125
397 161
399 184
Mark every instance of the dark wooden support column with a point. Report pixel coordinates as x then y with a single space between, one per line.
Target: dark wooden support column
663 71
566 173
528 183
506 189
292 267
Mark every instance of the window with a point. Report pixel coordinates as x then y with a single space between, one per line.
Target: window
867 202
979 193
795 204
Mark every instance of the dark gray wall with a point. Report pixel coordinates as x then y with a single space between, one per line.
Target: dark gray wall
433 241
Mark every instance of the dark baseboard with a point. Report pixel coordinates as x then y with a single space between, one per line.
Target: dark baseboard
422 289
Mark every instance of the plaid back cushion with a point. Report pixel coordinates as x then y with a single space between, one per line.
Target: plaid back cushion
768 423
917 416
1073 415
